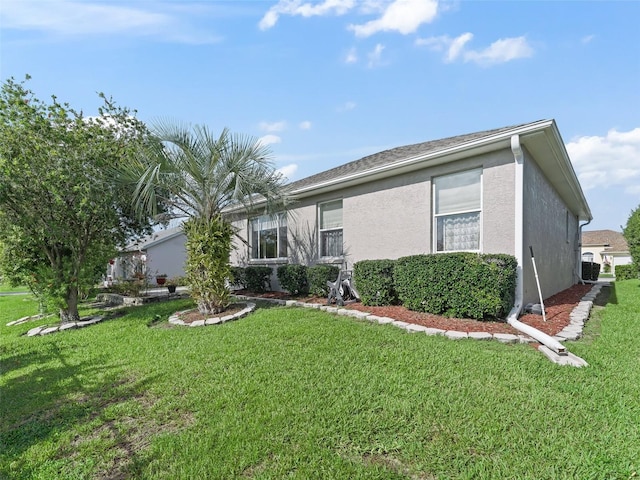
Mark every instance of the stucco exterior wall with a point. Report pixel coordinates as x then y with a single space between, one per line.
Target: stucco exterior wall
167 257
552 230
393 217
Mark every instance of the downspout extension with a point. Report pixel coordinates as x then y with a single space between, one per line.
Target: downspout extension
579 259
512 318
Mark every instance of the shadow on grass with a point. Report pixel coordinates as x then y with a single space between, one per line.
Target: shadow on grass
64 398
607 295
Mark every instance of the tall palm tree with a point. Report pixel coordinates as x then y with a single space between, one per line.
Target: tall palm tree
196 176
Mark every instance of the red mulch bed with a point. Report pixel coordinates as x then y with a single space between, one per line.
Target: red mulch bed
557 310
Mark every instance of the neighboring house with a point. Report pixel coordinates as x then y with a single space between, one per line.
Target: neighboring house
496 191
161 252
606 247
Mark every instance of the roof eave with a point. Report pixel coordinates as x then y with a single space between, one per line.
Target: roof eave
474 147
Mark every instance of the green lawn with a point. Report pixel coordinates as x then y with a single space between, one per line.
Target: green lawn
6 288
303 394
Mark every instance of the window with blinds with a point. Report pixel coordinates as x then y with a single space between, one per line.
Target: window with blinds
458 208
330 219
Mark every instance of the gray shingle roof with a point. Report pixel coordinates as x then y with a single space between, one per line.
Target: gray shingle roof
611 240
393 155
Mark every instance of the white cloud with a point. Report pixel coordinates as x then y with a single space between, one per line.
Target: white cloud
269 20
457 45
305 125
612 160
296 7
288 171
350 105
351 56
500 51
403 16
74 18
273 127
587 39
269 139
375 56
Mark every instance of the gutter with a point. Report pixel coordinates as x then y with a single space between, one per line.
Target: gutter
512 318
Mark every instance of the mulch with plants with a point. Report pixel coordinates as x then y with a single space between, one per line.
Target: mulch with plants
557 311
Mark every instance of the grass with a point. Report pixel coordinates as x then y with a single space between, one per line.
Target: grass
5 288
303 394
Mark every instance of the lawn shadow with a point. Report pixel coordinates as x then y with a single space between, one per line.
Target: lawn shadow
62 398
607 295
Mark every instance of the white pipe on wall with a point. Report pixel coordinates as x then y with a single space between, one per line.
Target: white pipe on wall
512 318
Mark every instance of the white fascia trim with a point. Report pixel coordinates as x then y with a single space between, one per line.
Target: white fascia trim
475 144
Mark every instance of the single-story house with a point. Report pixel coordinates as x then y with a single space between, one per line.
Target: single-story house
606 247
494 191
162 252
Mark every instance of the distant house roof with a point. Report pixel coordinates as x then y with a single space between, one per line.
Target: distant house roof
609 240
154 239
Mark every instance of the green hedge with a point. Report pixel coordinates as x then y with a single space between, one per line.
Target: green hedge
374 282
465 285
293 278
318 276
258 279
627 272
238 277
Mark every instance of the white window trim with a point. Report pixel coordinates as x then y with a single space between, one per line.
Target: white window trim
329 258
461 212
277 259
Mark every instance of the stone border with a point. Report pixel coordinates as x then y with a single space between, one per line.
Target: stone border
175 318
578 316
46 330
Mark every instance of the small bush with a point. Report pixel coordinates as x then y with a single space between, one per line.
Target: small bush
128 288
464 285
293 278
178 281
374 282
318 276
238 277
627 272
258 279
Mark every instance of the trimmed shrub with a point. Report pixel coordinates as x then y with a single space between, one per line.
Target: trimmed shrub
627 272
318 276
258 279
374 281
464 284
238 277
590 271
293 278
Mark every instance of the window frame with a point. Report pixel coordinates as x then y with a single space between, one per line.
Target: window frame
437 216
322 231
282 223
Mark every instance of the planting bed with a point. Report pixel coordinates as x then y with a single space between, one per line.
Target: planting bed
557 309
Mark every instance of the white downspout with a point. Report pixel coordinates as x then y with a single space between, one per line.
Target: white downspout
512 319
579 259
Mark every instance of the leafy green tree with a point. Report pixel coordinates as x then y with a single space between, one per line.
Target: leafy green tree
198 175
631 234
62 214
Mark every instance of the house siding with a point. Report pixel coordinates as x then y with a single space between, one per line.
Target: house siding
393 217
167 257
545 228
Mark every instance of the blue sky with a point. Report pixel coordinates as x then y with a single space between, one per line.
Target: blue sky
330 81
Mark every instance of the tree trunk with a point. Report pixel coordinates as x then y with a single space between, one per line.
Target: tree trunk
70 313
